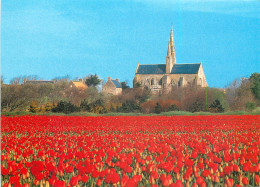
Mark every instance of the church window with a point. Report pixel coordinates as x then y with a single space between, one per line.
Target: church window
152 82
160 82
180 82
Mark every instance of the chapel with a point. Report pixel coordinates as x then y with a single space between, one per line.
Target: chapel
168 76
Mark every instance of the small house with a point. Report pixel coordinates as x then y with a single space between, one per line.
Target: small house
112 87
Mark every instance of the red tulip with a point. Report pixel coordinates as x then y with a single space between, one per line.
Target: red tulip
99 182
229 182
124 180
74 181
4 171
95 174
59 183
84 179
39 176
199 180
178 183
245 180
257 180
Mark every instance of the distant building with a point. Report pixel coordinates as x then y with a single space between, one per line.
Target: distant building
112 87
38 82
79 84
165 77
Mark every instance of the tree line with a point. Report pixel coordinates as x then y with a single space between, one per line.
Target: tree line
60 96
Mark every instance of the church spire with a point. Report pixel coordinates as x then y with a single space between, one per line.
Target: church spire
169 51
172 44
170 58
171 36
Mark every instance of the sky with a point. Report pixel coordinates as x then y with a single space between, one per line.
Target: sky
77 38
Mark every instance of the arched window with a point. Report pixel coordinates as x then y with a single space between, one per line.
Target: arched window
180 82
160 82
147 83
152 82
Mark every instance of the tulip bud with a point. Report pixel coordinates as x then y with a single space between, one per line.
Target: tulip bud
257 180
41 185
178 176
217 179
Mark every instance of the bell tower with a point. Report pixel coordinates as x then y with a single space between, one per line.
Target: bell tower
170 58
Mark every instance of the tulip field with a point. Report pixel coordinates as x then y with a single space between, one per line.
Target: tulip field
130 151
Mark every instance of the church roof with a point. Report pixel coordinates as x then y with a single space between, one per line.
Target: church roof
161 69
185 68
117 83
152 69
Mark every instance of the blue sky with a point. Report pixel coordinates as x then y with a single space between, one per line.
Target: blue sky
77 38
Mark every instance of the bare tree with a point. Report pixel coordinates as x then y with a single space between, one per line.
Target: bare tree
238 94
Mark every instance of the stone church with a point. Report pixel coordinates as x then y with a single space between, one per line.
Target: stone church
165 77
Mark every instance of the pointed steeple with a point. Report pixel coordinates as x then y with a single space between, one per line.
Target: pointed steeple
172 43
169 51
170 58
171 36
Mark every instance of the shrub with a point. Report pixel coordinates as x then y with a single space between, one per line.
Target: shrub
49 107
94 107
34 107
158 108
85 106
148 106
197 106
65 107
216 107
130 106
98 107
173 108
250 106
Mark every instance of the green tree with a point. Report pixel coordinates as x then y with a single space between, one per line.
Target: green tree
255 85
93 80
158 108
216 107
137 85
65 107
85 106
130 106
124 85
173 108
197 106
250 106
